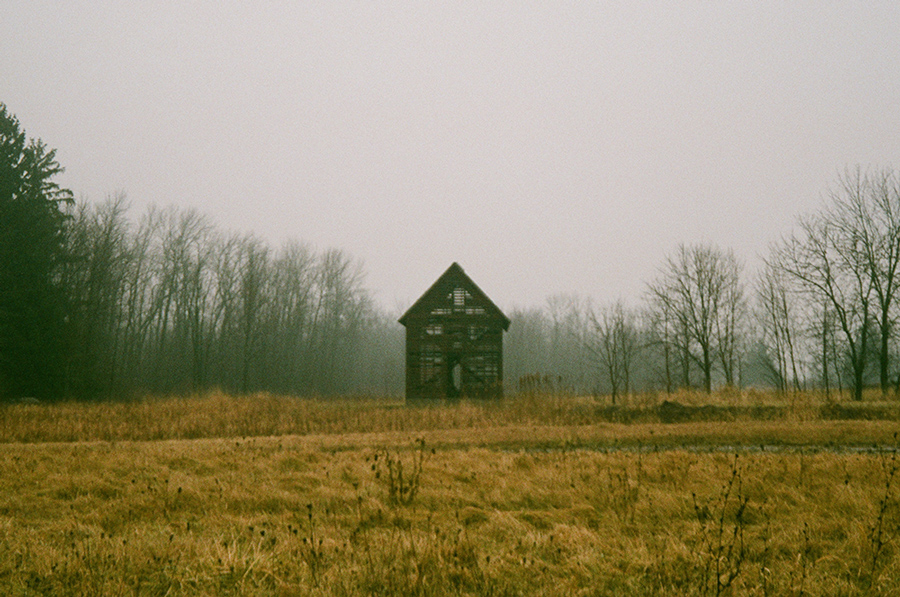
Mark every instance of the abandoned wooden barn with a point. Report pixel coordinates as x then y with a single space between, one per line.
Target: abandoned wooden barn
454 341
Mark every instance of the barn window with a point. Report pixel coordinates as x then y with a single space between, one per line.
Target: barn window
430 362
459 297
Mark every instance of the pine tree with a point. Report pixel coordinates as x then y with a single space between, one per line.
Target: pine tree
32 251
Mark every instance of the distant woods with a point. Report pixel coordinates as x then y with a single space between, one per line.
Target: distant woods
821 312
169 303
98 303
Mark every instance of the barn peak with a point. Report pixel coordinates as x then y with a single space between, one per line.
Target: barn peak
456 291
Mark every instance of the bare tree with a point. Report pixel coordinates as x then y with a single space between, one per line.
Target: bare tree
137 305
865 211
668 339
698 297
94 277
614 342
287 319
526 346
831 268
180 302
340 309
568 364
731 318
253 279
777 317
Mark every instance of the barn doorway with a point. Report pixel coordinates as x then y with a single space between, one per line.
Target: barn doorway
454 377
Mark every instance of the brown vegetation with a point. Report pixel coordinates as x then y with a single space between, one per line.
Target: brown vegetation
217 415
476 500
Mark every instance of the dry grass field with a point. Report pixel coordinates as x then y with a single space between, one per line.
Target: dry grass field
260 495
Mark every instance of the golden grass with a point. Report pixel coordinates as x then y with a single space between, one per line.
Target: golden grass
527 498
309 516
214 414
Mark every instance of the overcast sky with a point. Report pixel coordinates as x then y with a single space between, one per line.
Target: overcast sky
548 147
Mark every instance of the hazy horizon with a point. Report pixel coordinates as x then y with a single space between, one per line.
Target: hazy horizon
548 149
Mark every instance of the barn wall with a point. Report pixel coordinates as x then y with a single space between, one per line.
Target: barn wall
454 341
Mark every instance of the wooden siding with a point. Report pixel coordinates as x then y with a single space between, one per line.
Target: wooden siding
454 341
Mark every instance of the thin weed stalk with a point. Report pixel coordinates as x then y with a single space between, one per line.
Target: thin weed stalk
721 545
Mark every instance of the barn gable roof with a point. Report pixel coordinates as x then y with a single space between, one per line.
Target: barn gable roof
454 277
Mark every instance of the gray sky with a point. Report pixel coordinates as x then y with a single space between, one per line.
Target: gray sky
547 147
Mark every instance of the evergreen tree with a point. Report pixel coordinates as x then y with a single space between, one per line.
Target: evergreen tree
32 251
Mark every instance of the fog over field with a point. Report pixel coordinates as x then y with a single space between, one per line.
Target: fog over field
548 148
671 365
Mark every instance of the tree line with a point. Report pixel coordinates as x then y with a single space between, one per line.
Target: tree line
171 304
95 303
821 312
